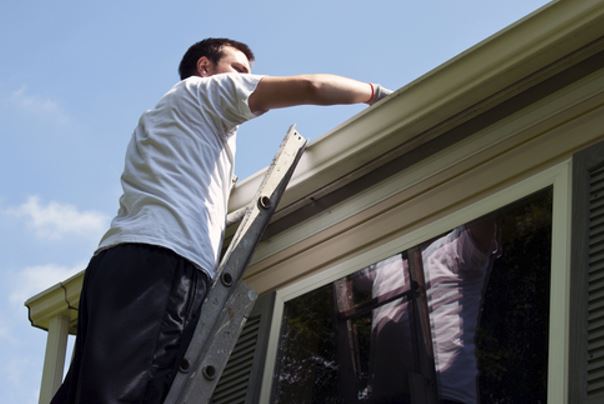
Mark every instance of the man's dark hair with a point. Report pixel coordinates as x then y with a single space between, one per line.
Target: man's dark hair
212 49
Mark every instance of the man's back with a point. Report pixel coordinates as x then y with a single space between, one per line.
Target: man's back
179 164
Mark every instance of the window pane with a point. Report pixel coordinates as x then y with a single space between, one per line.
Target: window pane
463 316
512 337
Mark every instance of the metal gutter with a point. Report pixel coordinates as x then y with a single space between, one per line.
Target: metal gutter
493 70
60 298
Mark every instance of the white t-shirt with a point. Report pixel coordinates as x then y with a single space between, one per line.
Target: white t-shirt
455 272
179 165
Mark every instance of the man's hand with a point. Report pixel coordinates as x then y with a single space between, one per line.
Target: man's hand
379 92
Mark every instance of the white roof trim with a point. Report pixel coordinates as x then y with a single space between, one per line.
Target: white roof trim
480 72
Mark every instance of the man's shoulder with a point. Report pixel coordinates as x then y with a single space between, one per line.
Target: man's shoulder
219 80
230 76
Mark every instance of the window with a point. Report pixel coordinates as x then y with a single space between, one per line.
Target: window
463 316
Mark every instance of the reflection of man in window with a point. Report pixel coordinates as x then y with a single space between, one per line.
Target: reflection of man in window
455 268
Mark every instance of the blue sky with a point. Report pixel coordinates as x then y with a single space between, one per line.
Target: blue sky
75 76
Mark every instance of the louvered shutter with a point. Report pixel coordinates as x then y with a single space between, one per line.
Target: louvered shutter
586 373
242 376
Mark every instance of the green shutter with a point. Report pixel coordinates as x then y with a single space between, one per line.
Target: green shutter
586 373
242 376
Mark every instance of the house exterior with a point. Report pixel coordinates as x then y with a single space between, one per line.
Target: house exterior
510 133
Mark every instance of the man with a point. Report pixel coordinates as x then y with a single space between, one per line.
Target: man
144 286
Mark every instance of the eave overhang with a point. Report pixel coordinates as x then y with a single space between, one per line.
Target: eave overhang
501 68
528 52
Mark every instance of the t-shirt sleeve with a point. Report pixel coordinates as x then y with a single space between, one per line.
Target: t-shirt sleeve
225 97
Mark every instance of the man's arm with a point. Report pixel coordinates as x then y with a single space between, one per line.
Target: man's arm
314 89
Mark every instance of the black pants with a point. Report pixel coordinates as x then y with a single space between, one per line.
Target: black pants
138 309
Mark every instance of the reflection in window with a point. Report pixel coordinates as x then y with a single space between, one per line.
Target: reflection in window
460 318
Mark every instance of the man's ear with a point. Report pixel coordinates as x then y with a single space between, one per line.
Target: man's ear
204 66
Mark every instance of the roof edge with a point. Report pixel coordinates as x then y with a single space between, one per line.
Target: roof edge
488 68
60 298
491 66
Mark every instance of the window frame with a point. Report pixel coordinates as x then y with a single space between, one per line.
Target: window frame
559 177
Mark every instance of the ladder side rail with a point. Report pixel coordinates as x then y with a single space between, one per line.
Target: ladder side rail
231 270
219 346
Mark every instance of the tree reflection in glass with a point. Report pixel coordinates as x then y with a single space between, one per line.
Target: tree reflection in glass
477 316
